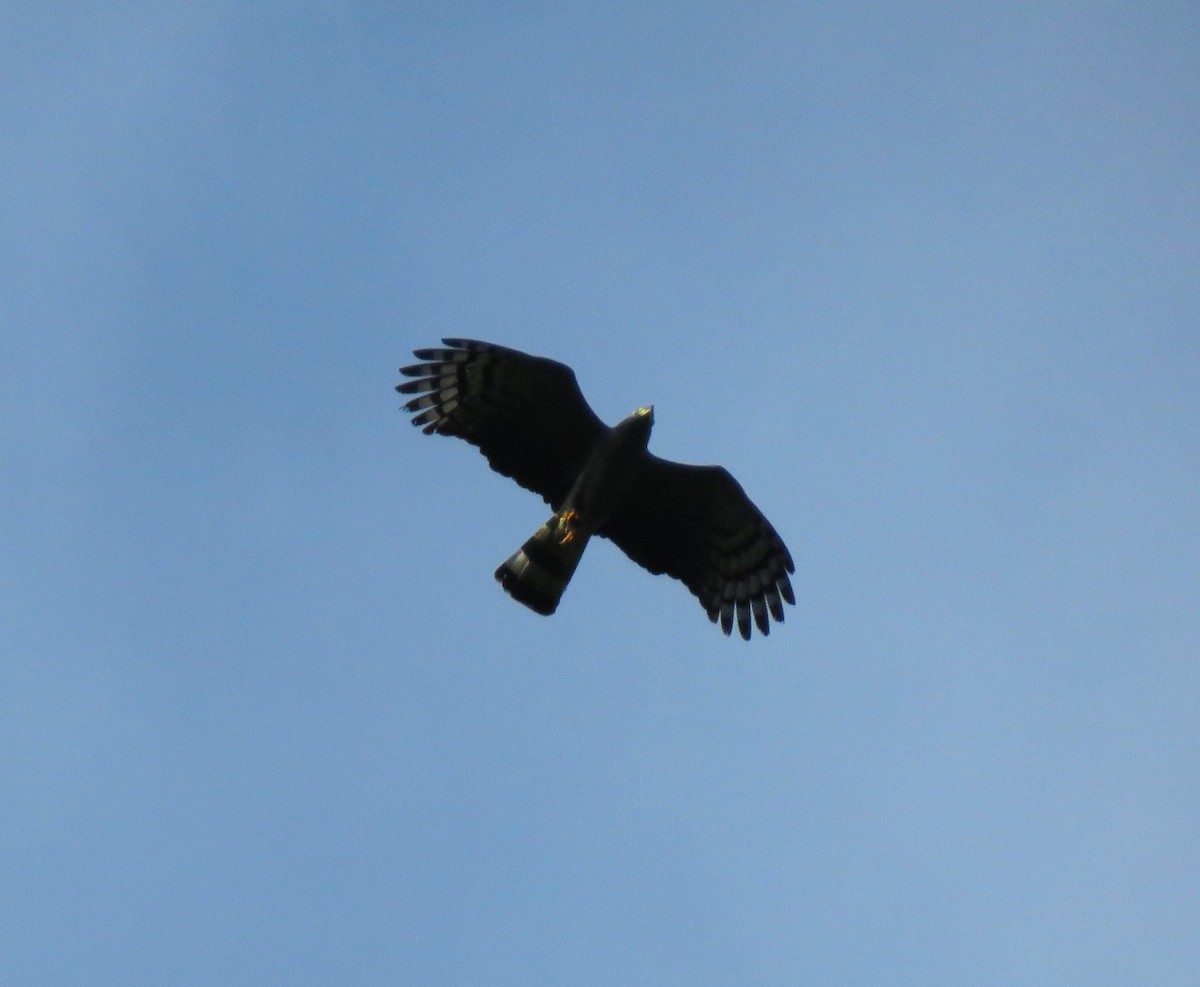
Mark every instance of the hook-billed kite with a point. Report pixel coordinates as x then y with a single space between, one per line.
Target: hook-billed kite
528 417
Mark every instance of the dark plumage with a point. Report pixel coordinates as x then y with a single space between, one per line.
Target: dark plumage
527 415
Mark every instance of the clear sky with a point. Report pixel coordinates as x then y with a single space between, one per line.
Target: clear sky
922 276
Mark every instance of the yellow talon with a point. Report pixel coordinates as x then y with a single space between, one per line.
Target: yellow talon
567 521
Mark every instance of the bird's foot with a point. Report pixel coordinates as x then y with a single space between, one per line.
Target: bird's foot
566 525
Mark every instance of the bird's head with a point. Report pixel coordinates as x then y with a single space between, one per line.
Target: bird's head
637 426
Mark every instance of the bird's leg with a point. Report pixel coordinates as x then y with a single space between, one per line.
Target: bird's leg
566 525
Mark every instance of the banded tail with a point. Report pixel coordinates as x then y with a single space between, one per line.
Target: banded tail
538 572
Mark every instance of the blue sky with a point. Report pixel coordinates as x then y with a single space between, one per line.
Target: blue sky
922 276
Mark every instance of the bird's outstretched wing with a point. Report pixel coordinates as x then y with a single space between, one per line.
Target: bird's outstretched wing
525 413
697 524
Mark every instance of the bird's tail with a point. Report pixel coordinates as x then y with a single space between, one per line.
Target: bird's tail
538 572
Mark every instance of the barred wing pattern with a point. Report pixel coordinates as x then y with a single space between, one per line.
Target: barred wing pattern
525 413
695 523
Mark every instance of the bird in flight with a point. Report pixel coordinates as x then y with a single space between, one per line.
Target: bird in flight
527 415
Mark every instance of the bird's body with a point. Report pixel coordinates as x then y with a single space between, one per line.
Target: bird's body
528 417
538 572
